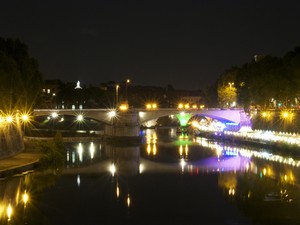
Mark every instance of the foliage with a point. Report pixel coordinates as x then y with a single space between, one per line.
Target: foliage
53 151
265 82
21 81
227 96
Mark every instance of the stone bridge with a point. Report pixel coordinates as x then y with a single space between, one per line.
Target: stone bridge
127 123
237 116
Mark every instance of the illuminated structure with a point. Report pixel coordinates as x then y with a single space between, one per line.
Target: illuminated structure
127 122
183 118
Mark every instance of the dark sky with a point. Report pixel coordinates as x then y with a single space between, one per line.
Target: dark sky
187 44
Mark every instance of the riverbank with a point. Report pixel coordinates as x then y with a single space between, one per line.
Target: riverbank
20 163
284 148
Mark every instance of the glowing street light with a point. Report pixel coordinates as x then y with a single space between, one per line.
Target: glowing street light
185 106
25 117
80 118
54 115
9 119
151 106
112 114
123 107
266 115
287 115
180 105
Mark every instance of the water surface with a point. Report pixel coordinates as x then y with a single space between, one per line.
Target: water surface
169 179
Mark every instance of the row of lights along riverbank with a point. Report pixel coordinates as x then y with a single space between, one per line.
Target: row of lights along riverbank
14 118
288 115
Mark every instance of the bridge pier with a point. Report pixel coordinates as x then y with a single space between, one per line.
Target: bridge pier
125 125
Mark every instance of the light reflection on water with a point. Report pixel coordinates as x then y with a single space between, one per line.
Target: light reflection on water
167 175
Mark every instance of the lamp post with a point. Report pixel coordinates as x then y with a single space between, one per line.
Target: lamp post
230 84
117 94
232 94
127 82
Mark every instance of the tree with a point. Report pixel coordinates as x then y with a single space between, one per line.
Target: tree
227 92
227 95
20 78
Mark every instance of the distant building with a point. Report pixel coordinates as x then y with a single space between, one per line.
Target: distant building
49 93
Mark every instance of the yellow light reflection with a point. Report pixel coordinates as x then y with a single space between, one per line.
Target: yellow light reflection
182 163
154 149
25 198
118 191
180 150
92 150
265 171
141 168
128 200
151 140
113 169
2 210
154 138
231 191
149 149
9 211
80 152
186 150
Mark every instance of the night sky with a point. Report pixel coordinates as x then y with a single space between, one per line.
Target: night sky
187 44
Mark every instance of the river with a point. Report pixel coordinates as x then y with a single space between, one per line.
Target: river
167 180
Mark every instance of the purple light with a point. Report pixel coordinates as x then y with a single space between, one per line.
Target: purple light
224 163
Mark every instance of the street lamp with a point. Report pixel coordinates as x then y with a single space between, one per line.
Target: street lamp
231 84
127 82
117 93
231 94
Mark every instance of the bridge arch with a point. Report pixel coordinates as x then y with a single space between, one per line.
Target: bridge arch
233 116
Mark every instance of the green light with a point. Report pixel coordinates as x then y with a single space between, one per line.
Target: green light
183 118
